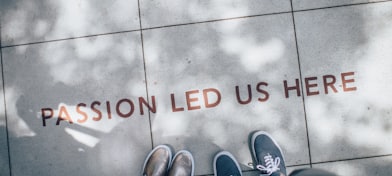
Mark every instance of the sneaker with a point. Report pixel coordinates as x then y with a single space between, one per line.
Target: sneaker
182 164
226 165
267 154
158 161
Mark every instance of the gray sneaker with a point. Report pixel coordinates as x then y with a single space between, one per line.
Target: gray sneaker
158 161
226 165
182 164
267 154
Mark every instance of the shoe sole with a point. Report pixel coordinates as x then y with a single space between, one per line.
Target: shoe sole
230 156
254 136
187 153
152 151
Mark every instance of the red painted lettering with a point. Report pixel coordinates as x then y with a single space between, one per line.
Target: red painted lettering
63 115
213 91
345 81
84 114
308 86
45 116
189 100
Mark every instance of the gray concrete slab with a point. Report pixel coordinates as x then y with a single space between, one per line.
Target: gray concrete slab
377 166
312 4
36 21
91 81
179 12
193 70
348 50
184 62
4 157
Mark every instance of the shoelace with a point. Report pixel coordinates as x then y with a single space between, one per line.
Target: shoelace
271 165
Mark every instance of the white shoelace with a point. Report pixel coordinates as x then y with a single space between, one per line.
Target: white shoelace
271 165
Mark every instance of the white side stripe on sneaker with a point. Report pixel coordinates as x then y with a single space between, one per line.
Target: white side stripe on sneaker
271 164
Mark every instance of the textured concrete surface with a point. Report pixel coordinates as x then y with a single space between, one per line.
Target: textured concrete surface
90 88
312 4
4 157
194 11
205 56
36 21
365 166
349 39
60 76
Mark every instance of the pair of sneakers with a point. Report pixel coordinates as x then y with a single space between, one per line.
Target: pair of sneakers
159 162
266 153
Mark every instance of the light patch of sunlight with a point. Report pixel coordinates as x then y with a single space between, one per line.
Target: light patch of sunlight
65 72
346 168
196 10
120 16
274 118
41 28
23 129
216 8
226 8
171 124
136 88
63 67
216 132
325 120
244 159
105 125
154 52
73 17
375 69
258 55
201 52
233 45
15 123
15 28
98 70
56 50
83 138
123 48
70 70
21 49
357 109
229 27
91 48
282 137
2 111
372 133
254 55
169 4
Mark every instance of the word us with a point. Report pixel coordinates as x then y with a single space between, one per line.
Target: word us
195 99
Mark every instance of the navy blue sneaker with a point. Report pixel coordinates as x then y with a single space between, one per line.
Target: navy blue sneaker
267 154
226 165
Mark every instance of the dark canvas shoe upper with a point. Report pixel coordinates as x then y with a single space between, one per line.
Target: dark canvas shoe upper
267 154
182 164
157 161
226 165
